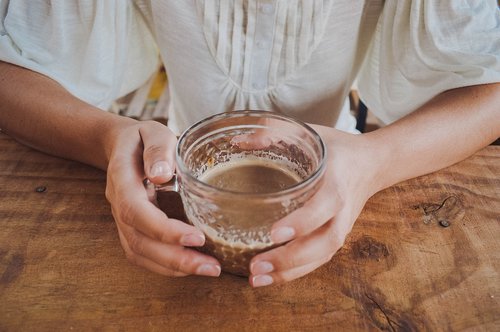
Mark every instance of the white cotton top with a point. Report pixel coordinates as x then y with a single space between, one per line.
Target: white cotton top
295 57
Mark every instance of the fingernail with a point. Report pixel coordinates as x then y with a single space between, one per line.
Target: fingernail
192 240
261 267
210 270
262 280
161 168
282 234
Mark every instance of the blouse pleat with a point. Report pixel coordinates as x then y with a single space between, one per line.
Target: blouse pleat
249 41
230 25
237 45
279 40
223 34
210 24
306 21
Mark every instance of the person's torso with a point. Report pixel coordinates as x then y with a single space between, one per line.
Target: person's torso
295 57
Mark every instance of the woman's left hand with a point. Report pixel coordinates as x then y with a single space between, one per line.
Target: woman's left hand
318 230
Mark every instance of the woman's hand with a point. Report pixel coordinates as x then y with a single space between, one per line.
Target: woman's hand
39 112
318 229
150 239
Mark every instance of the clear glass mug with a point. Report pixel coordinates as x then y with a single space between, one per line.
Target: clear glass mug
237 224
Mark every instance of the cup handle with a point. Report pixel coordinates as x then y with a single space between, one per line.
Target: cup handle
172 185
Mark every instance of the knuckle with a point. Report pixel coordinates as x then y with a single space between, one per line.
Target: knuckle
340 202
280 278
175 265
335 240
153 150
127 212
318 217
123 211
289 261
327 258
285 276
135 243
131 257
179 264
169 273
167 238
151 124
322 215
164 237
109 192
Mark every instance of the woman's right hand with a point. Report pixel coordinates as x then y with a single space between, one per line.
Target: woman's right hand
150 238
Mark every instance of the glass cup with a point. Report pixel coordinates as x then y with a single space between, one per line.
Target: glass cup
236 216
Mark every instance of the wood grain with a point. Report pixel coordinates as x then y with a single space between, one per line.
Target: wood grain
62 267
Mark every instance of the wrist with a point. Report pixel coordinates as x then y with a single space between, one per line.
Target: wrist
379 158
117 131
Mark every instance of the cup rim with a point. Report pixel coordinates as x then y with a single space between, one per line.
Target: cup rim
299 185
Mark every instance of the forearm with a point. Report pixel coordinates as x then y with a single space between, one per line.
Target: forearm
40 113
447 129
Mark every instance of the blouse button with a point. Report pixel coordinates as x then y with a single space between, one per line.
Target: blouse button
266 8
258 85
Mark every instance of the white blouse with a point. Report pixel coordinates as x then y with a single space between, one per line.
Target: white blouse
298 57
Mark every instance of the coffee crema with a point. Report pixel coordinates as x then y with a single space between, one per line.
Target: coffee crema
250 176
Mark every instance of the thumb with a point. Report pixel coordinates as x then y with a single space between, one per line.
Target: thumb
159 151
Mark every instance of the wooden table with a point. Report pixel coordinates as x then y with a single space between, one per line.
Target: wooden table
62 267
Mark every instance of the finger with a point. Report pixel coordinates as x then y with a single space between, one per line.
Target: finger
261 280
154 267
313 214
259 139
300 271
318 246
131 204
159 151
144 216
165 259
299 252
144 262
270 131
